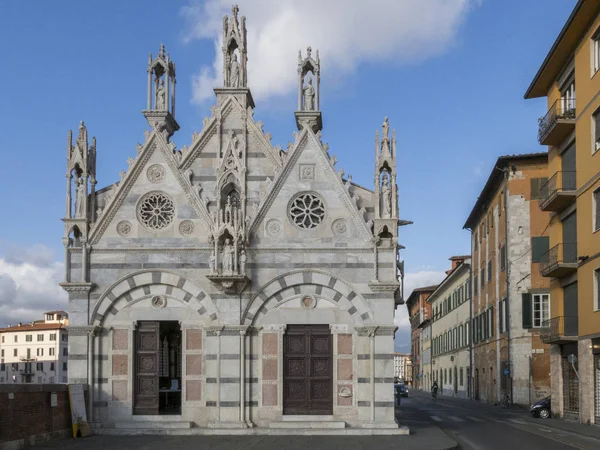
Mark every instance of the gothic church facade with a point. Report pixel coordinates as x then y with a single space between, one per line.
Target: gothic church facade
231 284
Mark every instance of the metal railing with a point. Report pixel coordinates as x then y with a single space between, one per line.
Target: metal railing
557 327
559 254
560 181
563 108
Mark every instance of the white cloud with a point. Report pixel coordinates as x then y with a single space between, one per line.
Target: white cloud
29 280
412 281
346 33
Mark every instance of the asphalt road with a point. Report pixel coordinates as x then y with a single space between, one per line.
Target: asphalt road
477 426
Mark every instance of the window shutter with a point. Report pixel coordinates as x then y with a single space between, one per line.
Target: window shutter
597 117
598 287
597 201
535 188
501 316
539 246
502 258
526 300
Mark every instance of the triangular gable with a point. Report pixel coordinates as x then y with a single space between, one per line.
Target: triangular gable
333 177
155 142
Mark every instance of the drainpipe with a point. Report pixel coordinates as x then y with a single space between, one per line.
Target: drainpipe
507 313
470 336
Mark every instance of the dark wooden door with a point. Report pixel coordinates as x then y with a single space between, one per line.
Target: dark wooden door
308 370
146 368
571 310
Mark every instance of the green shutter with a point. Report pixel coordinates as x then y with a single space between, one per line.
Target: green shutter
501 316
539 246
526 299
597 200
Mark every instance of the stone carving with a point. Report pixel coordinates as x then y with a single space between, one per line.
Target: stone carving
345 392
307 171
124 227
307 211
156 210
309 96
234 72
243 261
273 227
155 173
386 197
161 97
308 302
80 197
186 227
158 301
227 257
340 227
213 263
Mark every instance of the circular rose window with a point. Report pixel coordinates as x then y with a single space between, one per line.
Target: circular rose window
307 210
156 210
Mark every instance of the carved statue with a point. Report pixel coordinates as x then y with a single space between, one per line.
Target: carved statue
161 97
227 257
243 261
309 96
234 72
79 197
212 263
386 128
386 197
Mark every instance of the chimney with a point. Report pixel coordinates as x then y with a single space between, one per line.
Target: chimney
19 324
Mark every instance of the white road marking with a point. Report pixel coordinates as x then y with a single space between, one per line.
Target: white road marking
522 422
475 419
436 418
456 419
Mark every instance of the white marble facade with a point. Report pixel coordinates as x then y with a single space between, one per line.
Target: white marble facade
234 239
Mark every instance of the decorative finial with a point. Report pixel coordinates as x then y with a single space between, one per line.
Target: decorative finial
81 125
161 52
386 128
299 56
235 10
308 50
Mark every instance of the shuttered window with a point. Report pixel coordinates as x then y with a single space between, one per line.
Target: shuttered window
597 274
502 258
526 305
597 130
501 316
539 246
536 184
489 270
597 208
482 278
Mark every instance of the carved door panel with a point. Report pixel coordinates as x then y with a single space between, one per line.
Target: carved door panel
146 368
308 370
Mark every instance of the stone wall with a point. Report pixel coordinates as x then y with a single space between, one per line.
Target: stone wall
26 417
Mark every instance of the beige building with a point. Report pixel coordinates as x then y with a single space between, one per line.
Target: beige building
450 330
400 366
35 352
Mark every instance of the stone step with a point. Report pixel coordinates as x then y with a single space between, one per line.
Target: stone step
156 418
153 425
306 424
305 418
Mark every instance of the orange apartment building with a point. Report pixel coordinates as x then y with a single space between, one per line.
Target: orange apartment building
510 298
569 78
419 312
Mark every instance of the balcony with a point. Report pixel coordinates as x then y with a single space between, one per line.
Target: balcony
558 192
559 261
559 330
558 122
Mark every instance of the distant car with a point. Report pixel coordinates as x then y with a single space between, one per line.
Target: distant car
542 408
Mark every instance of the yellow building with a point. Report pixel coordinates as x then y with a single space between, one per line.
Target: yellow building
569 77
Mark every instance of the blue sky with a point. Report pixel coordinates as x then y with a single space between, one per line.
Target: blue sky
454 97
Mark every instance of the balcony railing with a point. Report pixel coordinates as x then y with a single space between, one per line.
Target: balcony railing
558 122
559 329
559 261
558 191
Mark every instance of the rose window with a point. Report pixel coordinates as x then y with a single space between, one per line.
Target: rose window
156 211
307 211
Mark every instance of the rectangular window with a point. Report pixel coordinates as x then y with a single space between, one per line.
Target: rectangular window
489 271
15 352
475 241
595 47
3 339
539 246
536 184
468 290
597 290
2 353
40 352
16 338
596 126
2 367
501 316
482 278
40 338
64 366
53 336
460 373
541 309
15 367
502 258
475 285
597 209
65 337
28 338
51 351
39 367
51 367
65 351
491 322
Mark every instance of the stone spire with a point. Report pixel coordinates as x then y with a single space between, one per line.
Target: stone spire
386 190
235 51
309 81
160 109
